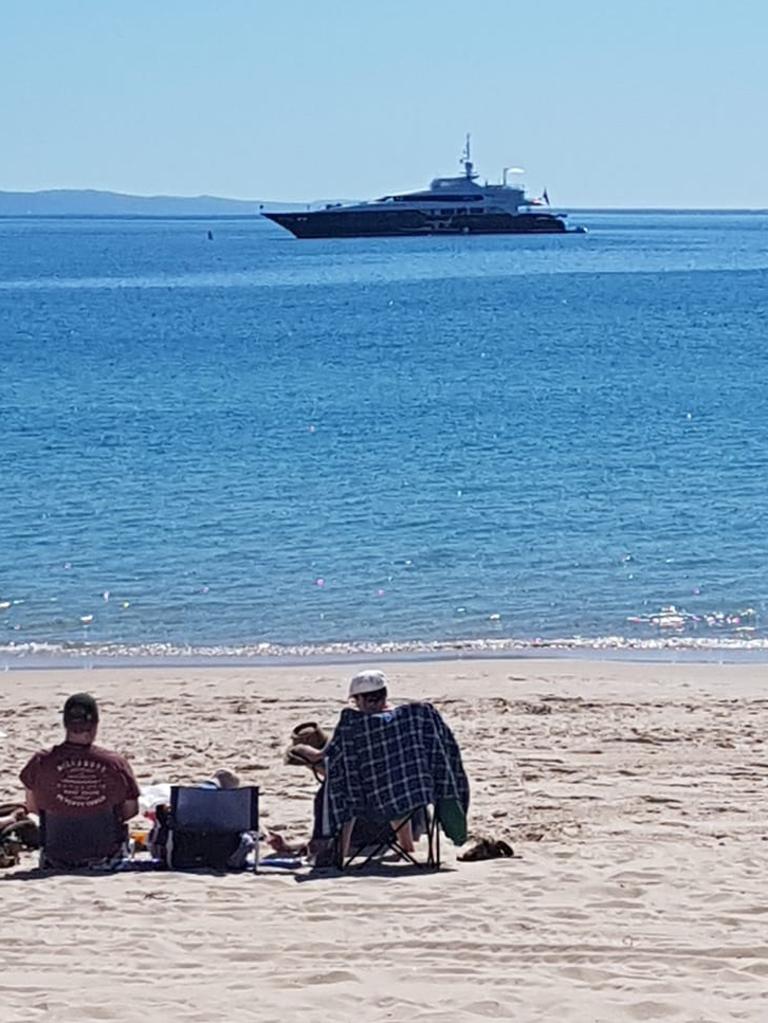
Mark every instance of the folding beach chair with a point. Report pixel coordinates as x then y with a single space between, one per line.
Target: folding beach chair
389 775
210 827
72 842
367 839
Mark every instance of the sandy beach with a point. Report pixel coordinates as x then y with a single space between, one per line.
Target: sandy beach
634 795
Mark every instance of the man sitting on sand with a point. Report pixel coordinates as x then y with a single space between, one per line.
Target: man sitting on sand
87 792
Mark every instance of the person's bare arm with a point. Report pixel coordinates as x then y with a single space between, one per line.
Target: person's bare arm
129 809
31 802
308 753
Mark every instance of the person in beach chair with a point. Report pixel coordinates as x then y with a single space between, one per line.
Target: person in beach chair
369 695
83 794
383 768
213 825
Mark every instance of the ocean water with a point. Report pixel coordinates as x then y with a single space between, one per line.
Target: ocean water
257 445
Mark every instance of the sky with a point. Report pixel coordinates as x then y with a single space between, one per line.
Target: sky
607 104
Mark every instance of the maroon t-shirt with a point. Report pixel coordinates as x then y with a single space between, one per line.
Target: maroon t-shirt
79 780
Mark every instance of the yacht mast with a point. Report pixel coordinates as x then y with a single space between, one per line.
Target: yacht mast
466 160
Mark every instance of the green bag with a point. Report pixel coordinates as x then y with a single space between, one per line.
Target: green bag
452 820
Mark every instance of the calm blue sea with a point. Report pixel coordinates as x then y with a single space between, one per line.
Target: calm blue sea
260 445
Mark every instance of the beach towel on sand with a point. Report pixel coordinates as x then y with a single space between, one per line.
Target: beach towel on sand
381 766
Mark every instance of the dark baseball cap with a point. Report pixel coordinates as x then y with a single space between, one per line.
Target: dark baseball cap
81 707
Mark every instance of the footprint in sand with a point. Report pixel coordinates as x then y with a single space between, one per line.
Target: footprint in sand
332 977
488 1009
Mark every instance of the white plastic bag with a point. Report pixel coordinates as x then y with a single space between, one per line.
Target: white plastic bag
151 795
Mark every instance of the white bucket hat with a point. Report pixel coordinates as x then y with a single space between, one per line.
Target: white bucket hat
367 682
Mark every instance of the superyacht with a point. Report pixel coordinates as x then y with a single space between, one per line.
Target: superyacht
458 205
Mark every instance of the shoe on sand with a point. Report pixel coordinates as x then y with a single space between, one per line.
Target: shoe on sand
487 849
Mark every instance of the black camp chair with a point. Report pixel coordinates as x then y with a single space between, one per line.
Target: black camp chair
98 839
366 839
206 826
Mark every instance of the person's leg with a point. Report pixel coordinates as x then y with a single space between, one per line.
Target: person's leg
283 848
404 832
316 842
346 838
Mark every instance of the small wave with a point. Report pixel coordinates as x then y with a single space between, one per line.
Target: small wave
672 617
50 654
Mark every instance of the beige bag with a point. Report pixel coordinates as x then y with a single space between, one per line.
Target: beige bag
308 733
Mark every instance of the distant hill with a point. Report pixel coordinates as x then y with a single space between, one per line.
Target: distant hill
64 202
74 203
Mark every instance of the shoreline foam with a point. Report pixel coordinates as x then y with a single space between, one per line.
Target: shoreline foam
668 648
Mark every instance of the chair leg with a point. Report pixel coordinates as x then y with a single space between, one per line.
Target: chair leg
433 840
397 835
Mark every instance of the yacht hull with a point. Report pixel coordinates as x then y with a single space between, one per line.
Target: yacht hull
337 223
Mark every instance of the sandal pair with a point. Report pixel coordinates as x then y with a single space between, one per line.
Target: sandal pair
488 849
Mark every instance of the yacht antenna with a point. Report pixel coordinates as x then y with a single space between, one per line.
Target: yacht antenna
466 159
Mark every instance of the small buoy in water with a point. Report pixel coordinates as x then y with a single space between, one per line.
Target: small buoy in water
210 236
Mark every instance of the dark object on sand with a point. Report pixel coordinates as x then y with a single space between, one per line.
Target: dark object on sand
22 833
487 849
24 830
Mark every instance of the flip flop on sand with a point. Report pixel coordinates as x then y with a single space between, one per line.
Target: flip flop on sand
487 849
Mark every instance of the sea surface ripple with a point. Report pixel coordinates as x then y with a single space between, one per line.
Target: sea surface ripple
258 447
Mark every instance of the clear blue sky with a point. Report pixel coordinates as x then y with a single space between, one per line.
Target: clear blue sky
604 102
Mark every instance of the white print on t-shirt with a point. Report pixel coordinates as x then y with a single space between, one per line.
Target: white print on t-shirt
81 782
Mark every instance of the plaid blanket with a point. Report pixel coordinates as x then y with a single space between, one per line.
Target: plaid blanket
381 766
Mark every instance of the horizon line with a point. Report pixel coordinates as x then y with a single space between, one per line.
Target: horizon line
206 196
